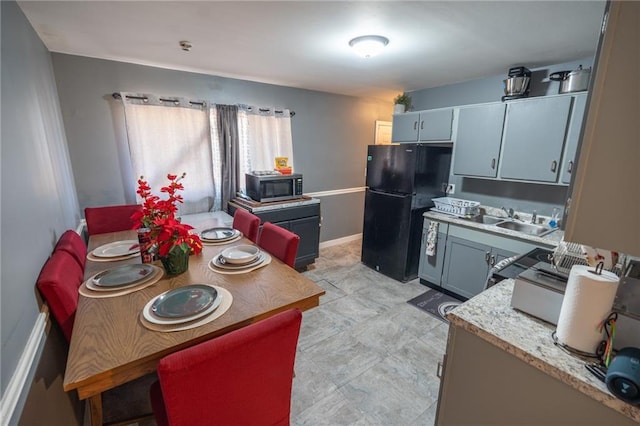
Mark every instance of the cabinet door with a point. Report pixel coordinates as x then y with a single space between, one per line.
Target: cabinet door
308 229
431 266
477 145
573 134
436 125
405 127
534 138
466 266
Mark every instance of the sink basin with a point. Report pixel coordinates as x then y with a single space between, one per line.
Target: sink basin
526 228
487 220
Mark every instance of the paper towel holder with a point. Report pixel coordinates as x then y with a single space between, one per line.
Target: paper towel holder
598 269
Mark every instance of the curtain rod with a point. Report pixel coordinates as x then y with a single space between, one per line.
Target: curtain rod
117 95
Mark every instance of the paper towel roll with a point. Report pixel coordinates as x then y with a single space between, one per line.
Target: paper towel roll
587 301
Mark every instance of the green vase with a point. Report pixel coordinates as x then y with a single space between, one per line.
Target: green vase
176 262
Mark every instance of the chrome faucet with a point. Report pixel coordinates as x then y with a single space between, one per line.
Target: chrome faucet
508 212
534 217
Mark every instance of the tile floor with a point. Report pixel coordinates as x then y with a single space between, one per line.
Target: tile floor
365 356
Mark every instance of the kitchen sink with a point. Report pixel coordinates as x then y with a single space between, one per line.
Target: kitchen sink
526 228
487 220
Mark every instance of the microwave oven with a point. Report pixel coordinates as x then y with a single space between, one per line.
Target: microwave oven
266 188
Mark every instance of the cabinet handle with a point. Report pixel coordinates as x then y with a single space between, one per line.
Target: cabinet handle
422 125
415 125
486 256
492 260
493 163
554 166
570 168
439 370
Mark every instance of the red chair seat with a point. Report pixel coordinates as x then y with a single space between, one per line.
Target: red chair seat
241 378
280 242
105 219
247 223
73 244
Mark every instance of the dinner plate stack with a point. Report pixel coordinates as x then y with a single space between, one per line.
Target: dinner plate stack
117 250
182 305
239 257
219 235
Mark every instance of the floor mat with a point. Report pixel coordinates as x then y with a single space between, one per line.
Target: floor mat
435 303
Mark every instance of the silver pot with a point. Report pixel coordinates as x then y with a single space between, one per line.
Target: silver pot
516 86
572 81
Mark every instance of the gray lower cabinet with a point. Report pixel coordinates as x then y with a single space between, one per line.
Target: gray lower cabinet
302 220
430 268
573 135
470 254
477 147
534 136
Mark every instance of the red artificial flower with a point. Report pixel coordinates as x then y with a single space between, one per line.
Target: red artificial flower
167 232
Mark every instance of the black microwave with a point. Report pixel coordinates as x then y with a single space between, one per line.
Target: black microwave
269 187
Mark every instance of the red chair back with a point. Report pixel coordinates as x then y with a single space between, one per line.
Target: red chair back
241 378
110 218
58 283
73 244
280 242
247 223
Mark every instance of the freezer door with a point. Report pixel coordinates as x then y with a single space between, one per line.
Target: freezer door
388 243
391 168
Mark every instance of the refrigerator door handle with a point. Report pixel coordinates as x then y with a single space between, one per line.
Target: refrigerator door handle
390 194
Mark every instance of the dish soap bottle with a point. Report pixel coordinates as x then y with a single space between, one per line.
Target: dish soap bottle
553 222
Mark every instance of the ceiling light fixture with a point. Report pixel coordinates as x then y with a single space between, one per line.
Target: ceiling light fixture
368 46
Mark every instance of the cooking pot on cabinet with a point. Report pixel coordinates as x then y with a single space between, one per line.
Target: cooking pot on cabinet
572 81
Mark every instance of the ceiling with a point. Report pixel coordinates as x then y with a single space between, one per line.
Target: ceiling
304 44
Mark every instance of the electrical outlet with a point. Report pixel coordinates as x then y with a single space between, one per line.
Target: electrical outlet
451 189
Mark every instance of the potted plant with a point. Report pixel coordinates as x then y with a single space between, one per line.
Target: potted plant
171 238
402 103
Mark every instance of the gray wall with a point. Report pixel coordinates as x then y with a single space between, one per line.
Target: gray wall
330 132
38 191
525 197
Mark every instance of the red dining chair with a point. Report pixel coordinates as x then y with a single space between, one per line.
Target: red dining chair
58 283
247 223
110 218
280 242
241 378
73 244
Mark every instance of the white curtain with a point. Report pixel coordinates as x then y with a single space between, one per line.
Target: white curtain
265 133
172 137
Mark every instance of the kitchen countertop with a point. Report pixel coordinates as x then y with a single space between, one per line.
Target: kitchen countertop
489 316
256 207
550 240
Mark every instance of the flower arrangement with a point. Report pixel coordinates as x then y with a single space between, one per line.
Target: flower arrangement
159 216
403 99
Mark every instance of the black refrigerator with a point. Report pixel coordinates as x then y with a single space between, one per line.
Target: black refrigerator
401 182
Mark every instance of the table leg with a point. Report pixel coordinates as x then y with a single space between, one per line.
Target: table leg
95 407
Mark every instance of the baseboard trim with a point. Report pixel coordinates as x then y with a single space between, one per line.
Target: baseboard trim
342 240
336 192
15 395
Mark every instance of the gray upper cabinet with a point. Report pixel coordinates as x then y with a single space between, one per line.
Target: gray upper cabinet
477 146
405 127
423 126
573 134
436 125
533 139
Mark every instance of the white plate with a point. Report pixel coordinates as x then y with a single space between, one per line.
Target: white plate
117 249
218 264
240 255
157 272
149 316
123 275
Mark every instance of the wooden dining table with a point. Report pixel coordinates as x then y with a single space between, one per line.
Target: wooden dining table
110 345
